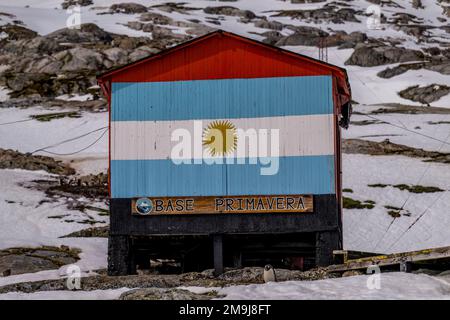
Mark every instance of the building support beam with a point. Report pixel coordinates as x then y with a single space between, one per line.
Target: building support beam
218 253
326 242
119 256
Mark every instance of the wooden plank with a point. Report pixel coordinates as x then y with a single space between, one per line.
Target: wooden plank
222 204
393 259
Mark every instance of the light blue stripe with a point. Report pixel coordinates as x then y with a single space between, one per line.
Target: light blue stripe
296 175
218 99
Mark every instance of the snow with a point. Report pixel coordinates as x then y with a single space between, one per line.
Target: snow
393 286
28 136
368 229
24 222
110 294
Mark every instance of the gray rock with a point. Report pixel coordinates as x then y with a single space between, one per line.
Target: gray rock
82 3
265 24
230 11
142 52
10 159
426 94
16 32
443 68
305 36
373 55
88 32
166 294
28 260
155 18
128 8
80 58
398 70
116 55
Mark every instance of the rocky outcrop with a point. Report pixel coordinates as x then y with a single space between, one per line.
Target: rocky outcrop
90 186
310 36
367 55
10 159
358 146
15 32
15 261
328 13
303 36
87 33
266 24
398 70
247 275
128 8
66 61
167 294
230 11
82 3
94 232
426 94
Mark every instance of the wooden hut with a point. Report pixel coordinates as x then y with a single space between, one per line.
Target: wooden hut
225 151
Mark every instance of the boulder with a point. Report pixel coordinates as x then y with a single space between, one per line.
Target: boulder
10 159
266 24
88 32
366 55
128 8
155 18
230 11
166 294
303 36
15 32
426 94
69 3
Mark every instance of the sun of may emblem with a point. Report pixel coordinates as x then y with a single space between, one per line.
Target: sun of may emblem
220 138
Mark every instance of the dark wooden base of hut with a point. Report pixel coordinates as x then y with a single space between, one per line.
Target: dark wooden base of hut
199 242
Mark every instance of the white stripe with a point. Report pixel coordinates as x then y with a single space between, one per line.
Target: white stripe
150 140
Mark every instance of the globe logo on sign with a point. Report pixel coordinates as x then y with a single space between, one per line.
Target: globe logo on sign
144 206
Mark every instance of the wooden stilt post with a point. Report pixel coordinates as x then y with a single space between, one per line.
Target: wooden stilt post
218 253
118 255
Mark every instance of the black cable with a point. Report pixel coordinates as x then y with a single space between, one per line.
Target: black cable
69 140
72 153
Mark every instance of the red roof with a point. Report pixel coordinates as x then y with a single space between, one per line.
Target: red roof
224 55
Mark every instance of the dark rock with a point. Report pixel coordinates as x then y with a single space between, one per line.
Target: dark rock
359 146
265 24
88 32
15 261
202 279
128 8
155 18
328 13
94 232
166 294
426 94
15 32
398 70
272 37
230 11
82 3
10 159
306 36
417 4
374 55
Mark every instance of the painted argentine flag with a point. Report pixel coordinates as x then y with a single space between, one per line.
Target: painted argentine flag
223 137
